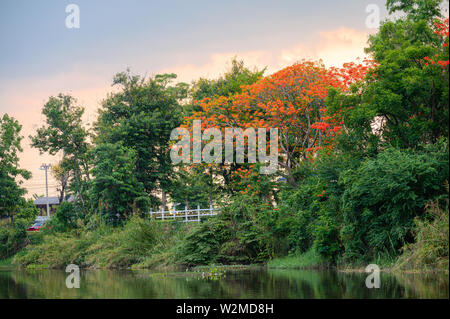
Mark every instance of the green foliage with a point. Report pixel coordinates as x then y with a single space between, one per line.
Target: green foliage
325 232
191 187
10 191
241 233
411 96
13 236
296 216
127 246
309 219
416 9
66 218
360 210
309 259
430 249
141 116
227 84
201 244
64 132
115 192
250 224
5 262
27 211
384 195
106 246
13 239
359 139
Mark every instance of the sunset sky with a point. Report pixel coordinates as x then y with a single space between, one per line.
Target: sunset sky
40 57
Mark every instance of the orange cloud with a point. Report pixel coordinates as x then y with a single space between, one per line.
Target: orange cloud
334 47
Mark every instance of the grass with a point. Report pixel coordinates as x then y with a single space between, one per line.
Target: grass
430 250
307 260
226 267
139 242
4 263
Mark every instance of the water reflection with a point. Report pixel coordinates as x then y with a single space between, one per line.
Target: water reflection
238 284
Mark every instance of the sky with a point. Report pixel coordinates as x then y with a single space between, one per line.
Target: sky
40 57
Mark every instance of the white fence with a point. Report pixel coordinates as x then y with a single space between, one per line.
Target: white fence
186 215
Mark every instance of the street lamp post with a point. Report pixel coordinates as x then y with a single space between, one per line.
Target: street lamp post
46 167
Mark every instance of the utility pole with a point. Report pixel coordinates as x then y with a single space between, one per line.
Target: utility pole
46 167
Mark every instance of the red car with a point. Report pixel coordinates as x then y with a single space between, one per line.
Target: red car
36 227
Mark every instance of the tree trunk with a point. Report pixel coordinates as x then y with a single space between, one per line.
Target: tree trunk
163 200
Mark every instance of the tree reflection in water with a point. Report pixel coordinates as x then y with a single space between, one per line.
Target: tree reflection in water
235 284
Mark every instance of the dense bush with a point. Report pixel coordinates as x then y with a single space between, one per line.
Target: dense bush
116 193
309 217
384 195
13 239
241 233
201 244
27 211
66 217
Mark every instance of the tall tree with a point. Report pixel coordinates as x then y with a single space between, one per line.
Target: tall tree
11 174
141 116
291 100
64 132
406 90
211 179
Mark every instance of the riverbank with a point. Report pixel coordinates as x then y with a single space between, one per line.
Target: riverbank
306 261
174 247
6 263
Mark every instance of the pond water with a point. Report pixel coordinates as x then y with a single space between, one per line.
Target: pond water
261 283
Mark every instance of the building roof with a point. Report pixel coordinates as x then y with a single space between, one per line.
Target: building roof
52 200
43 201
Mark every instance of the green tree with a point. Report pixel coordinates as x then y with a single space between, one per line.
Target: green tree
64 132
404 101
115 190
141 116
416 9
190 187
227 84
10 174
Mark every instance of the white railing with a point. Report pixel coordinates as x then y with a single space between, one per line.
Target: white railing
186 215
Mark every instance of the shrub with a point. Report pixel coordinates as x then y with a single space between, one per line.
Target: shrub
431 246
13 239
28 211
384 195
241 233
201 244
326 237
65 218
